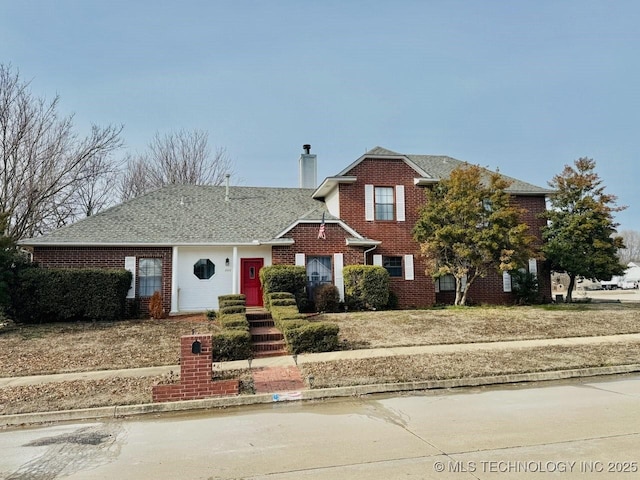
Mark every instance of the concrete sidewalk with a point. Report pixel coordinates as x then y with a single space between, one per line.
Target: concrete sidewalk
288 360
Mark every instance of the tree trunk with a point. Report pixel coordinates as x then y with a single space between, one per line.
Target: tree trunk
460 298
570 287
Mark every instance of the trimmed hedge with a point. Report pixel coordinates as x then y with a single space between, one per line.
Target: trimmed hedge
69 294
232 309
231 344
300 334
234 341
236 321
313 337
284 278
232 297
366 287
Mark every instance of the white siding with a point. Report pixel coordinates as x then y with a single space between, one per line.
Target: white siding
332 201
195 294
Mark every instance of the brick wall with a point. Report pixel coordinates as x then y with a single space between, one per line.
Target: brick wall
108 257
195 375
396 237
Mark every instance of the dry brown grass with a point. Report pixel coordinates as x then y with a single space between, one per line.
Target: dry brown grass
56 348
439 366
76 394
483 324
76 347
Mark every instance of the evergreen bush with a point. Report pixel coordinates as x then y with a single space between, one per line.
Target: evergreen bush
326 298
68 294
284 278
366 287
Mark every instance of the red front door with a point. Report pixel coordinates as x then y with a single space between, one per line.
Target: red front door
250 280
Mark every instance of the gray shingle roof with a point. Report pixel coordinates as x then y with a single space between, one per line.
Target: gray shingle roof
188 214
440 166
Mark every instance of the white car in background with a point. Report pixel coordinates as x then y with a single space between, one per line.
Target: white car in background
628 285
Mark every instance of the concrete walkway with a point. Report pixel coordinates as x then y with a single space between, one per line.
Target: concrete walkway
289 361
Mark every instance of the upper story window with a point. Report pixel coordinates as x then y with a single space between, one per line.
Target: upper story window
384 203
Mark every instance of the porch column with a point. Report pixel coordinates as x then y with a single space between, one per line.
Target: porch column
174 280
234 272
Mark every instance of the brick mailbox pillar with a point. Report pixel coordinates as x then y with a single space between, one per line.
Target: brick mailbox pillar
196 359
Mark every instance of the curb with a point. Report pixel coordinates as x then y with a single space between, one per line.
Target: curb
319 394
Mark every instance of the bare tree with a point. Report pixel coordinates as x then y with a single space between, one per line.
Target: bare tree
631 252
43 161
182 157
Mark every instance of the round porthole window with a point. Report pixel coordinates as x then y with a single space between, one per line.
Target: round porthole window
204 269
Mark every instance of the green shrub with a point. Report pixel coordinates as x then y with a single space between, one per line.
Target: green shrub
231 303
283 302
326 298
232 296
393 302
211 314
312 337
280 295
60 295
525 287
279 314
231 344
234 321
289 324
232 309
284 278
366 287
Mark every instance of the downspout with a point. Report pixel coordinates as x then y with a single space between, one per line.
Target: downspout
367 251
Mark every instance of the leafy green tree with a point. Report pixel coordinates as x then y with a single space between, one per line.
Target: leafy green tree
468 227
580 236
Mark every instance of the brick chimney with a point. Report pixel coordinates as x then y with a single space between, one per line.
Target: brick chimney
307 168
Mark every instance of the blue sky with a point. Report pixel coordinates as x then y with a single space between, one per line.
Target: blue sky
523 86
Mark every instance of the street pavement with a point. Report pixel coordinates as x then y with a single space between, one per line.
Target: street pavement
575 429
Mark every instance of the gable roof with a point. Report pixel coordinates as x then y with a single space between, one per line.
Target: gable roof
193 215
436 167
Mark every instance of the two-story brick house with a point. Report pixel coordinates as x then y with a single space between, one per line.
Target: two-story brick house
193 243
